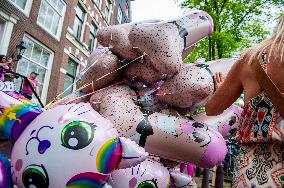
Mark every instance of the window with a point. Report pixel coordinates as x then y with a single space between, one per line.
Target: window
119 16
20 3
51 15
70 77
79 21
108 8
92 36
6 28
97 2
23 5
127 10
36 58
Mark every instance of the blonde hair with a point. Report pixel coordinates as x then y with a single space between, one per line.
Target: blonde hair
275 42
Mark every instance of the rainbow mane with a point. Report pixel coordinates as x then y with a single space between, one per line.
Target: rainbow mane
5 171
87 180
109 156
170 183
15 118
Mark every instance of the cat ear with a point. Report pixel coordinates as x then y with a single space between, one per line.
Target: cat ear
5 172
16 113
132 154
180 179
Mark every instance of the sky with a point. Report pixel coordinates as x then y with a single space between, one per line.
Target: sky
155 9
166 10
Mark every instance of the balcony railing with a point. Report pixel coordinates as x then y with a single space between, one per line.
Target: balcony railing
23 78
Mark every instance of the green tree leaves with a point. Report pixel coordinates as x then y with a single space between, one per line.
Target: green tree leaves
237 25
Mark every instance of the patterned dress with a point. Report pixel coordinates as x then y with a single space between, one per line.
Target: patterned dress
261 136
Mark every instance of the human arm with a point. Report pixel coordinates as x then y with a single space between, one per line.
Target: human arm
37 90
36 87
227 93
3 64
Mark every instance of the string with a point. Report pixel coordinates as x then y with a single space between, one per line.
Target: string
75 82
83 96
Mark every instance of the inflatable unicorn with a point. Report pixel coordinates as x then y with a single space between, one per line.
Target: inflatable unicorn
66 146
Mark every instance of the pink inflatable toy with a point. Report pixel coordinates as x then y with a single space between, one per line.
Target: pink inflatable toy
66 146
116 38
151 117
171 137
190 168
101 70
225 123
164 42
150 174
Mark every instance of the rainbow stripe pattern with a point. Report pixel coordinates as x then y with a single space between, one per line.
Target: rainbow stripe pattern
87 180
14 119
170 183
5 171
109 156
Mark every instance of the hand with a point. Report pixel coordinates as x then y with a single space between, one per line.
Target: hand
218 79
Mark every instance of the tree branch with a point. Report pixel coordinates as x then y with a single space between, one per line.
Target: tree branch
216 6
246 14
223 6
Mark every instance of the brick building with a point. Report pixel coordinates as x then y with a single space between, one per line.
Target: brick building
59 36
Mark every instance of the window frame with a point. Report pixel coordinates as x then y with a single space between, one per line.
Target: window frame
98 4
119 10
45 86
8 23
80 39
61 21
107 16
94 35
126 9
72 76
27 9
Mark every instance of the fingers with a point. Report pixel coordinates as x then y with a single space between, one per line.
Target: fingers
218 77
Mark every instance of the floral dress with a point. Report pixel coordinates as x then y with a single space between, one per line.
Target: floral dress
261 136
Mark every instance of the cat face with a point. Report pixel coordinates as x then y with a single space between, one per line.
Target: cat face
65 147
149 174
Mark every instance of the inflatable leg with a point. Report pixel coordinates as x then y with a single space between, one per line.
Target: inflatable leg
116 37
188 87
143 71
164 42
190 169
171 137
226 123
101 70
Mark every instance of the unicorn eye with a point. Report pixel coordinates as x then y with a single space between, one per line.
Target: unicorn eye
77 135
35 176
148 184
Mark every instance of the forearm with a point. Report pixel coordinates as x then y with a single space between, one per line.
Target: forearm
37 91
227 93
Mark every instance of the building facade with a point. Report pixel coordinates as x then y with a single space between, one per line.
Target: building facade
59 36
123 12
